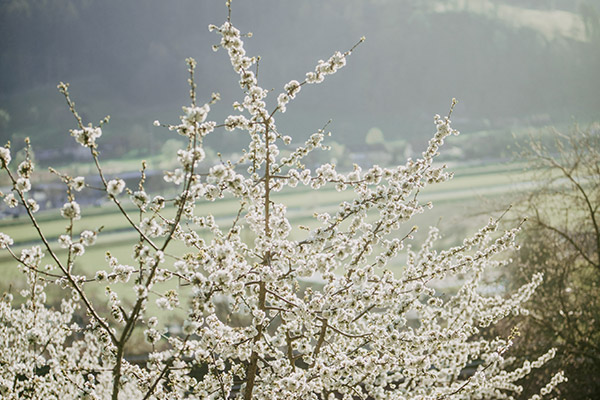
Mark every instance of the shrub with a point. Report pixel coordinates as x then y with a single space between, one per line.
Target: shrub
562 241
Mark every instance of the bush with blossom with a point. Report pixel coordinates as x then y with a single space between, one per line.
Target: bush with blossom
362 333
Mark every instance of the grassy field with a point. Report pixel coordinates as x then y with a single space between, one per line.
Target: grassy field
460 207
468 193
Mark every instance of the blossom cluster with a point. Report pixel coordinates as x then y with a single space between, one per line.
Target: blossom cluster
268 313
5 156
87 135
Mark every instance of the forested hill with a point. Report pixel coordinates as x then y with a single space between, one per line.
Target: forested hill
505 61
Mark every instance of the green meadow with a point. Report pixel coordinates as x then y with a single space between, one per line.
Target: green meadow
458 205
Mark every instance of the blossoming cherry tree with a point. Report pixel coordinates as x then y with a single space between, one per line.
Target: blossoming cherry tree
362 332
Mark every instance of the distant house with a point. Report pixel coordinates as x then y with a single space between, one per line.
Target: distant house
71 153
367 155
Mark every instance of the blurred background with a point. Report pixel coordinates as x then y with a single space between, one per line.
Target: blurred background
525 73
511 64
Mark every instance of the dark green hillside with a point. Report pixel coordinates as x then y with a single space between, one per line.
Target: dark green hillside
517 63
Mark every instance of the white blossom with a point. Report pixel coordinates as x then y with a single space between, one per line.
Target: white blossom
33 205
282 100
101 275
114 187
64 241
25 169
236 122
88 238
23 185
4 156
78 183
78 249
195 114
10 200
292 88
140 198
71 210
87 136
5 240
158 203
